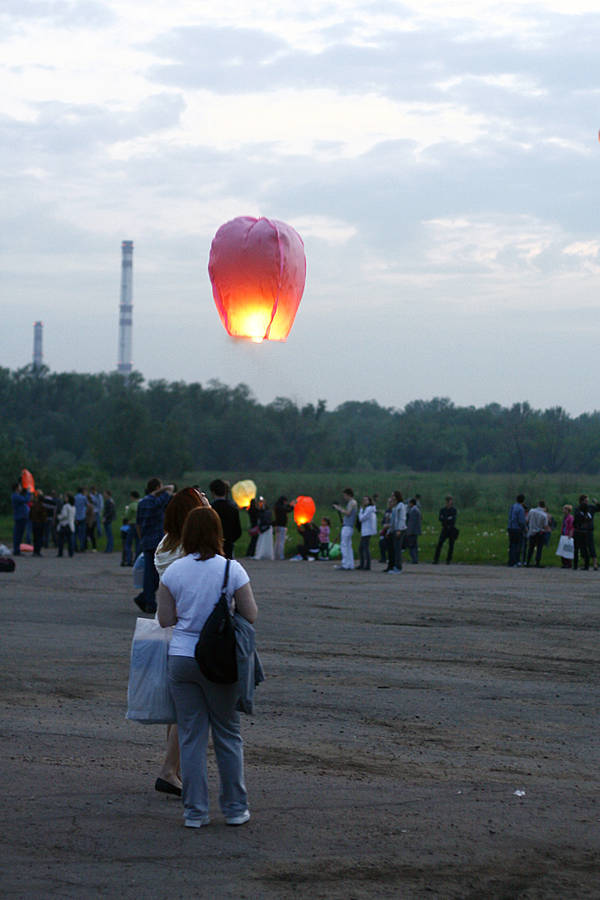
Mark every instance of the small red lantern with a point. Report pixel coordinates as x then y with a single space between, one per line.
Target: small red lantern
27 480
304 510
257 269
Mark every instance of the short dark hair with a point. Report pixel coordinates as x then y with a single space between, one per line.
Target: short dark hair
520 498
542 504
152 485
348 491
582 498
398 496
203 533
218 487
134 494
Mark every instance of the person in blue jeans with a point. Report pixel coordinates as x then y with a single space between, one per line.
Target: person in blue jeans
81 504
189 589
517 526
20 503
149 522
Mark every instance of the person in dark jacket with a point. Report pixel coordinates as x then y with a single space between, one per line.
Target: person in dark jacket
253 530
447 517
228 513
149 523
38 517
582 525
108 517
413 530
309 548
593 507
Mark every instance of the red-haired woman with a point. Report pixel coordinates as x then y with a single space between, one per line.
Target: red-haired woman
170 549
187 595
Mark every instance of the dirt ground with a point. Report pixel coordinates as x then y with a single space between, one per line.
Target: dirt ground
399 719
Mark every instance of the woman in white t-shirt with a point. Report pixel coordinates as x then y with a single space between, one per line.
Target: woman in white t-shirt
170 549
187 594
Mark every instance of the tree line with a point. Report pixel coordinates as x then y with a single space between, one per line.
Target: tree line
59 422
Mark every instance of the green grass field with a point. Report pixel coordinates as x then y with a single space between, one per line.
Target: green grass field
482 502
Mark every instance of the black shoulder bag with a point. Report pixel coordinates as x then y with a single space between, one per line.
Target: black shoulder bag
216 648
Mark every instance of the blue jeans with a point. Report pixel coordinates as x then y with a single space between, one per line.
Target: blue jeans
80 534
65 534
199 704
411 543
364 550
127 545
515 539
150 581
18 532
109 537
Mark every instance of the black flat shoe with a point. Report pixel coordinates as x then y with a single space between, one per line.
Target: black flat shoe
165 787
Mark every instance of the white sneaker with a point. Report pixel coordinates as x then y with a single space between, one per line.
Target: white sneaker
196 823
240 819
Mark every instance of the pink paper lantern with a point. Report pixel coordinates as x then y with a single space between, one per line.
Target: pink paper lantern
257 269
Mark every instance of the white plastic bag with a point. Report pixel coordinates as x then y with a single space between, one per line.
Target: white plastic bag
148 696
566 547
138 572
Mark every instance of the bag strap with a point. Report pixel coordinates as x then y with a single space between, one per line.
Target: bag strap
226 577
223 594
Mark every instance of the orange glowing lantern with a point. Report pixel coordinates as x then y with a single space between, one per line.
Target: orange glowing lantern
304 510
243 492
257 269
27 480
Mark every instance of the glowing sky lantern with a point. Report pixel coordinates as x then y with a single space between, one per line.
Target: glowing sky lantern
304 510
27 480
257 268
243 492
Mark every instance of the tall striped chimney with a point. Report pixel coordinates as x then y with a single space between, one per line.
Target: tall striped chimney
38 358
126 309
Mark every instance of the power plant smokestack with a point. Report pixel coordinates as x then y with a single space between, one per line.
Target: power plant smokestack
38 328
126 309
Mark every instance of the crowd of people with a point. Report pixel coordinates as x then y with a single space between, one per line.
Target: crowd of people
530 529
70 520
74 523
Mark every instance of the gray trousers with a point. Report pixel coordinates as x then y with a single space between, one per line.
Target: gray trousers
199 704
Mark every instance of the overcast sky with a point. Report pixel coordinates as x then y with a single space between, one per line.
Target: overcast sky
440 162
